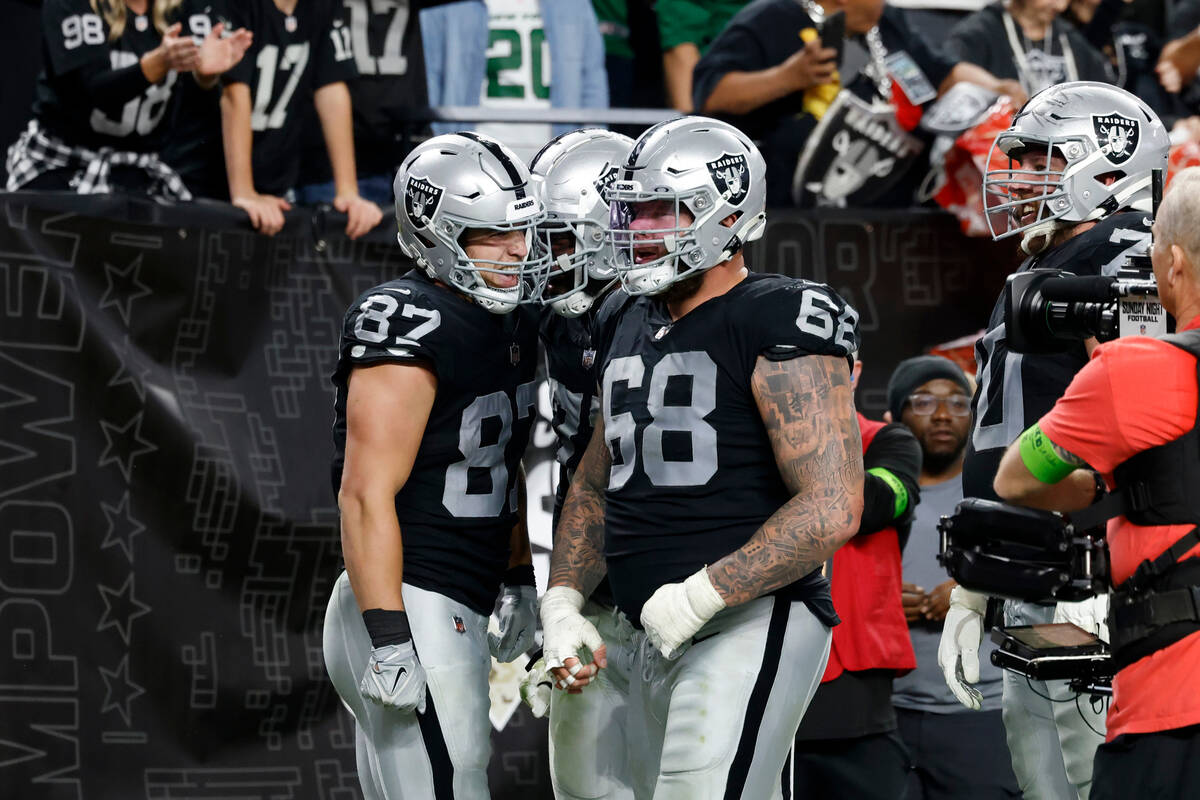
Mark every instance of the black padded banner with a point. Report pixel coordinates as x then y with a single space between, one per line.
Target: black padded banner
168 539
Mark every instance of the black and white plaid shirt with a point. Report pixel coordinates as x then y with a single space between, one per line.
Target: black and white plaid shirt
36 152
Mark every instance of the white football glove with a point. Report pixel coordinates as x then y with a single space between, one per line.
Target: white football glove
676 611
518 623
566 633
395 678
1090 614
958 651
536 688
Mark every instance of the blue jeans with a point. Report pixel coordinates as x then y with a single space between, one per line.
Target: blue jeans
376 188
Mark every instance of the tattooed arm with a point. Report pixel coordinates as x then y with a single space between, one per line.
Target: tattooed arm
807 405
1062 481
577 560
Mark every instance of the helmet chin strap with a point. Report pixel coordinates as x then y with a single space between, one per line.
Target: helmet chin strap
1038 237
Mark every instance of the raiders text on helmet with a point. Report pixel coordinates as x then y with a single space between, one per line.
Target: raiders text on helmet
460 181
1108 141
705 166
569 175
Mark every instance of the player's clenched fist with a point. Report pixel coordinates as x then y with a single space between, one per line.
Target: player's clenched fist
395 678
566 634
676 611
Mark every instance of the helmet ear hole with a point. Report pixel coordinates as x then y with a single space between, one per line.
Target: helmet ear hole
1109 178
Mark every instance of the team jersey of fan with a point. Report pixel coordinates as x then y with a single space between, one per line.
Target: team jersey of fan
693 473
1016 389
194 149
75 49
391 79
459 505
292 56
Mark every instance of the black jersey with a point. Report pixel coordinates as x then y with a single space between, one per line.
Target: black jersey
693 473
292 56
76 47
1016 389
391 80
571 365
571 368
459 505
194 149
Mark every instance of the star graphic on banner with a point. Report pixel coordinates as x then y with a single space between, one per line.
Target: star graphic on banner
124 287
128 370
121 608
119 691
124 443
122 527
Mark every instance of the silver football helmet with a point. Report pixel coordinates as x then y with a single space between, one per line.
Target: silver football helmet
1097 143
460 181
706 167
569 176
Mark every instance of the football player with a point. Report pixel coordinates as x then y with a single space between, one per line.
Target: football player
1073 181
725 468
106 90
589 756
435 399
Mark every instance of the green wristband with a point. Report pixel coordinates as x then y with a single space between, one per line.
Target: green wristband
1037 452
899 493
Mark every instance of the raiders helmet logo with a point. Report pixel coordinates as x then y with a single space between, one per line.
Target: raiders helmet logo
421 199
1117 135
731 176
606 179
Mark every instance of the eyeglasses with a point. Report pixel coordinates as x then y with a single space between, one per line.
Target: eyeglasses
923 405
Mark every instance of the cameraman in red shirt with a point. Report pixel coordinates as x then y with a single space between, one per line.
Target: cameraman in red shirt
1131 414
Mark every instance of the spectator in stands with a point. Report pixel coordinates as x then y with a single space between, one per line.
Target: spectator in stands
391 81
107 84
1025 40
850 721
757 72
302 54
491 54
954 752
632 55
1180 59
1131 46
686 29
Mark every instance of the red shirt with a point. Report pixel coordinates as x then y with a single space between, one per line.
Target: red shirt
1136 393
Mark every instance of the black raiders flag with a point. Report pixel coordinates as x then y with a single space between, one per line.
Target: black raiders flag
1118 136
856 153
731 177
421 199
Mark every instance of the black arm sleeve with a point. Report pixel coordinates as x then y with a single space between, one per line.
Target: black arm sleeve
113 87
895 449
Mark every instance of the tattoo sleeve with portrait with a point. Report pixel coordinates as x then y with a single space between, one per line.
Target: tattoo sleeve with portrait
577 559
807 406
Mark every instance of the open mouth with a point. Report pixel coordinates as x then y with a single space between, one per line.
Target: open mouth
1027 213
645 253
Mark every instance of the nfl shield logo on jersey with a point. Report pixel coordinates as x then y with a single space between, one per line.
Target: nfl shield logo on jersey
421 199
730 176
1117 135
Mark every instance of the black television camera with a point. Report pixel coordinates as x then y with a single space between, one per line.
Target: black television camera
1046 310
1034 556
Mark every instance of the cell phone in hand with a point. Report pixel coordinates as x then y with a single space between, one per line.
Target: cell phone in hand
833 33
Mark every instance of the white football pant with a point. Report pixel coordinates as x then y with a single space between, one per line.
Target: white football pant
718 722
1049 738
444 752
589 732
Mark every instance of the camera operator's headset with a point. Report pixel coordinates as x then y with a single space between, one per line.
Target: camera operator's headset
1036 556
